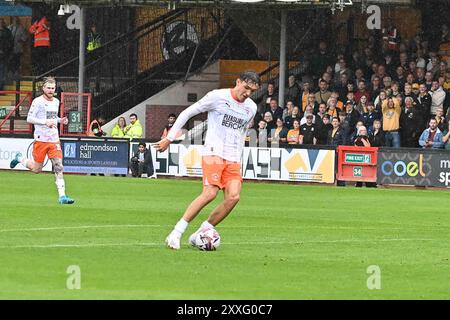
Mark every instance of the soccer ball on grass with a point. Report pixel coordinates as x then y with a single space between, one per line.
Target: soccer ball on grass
207 240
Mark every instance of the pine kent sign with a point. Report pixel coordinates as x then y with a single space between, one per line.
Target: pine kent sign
357 158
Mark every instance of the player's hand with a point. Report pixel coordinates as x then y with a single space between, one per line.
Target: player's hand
51 123
161 145
64 120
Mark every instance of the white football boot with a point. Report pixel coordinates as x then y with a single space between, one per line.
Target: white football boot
173 240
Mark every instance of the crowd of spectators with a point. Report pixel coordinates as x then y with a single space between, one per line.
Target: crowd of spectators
392 94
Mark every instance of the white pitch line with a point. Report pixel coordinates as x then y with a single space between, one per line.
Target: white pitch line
161 244
86 227
300 227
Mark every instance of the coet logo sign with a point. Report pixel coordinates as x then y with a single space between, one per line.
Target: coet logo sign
401 168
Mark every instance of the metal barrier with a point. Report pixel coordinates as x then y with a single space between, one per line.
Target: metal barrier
14 112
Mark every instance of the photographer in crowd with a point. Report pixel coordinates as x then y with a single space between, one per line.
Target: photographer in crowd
141 162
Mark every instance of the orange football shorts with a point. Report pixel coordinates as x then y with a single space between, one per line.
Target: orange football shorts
218 171
50 149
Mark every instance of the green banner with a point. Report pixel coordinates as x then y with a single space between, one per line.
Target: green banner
75 124
357 158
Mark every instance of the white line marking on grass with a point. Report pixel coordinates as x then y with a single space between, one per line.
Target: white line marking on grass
221 227
161 244
87 227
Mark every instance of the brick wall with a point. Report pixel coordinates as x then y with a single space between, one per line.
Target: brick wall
156 119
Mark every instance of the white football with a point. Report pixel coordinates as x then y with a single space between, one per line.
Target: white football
207 240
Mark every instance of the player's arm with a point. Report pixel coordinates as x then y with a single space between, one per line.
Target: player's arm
34 119
203 105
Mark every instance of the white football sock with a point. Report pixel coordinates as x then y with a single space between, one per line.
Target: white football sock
206 225
181 226
60 186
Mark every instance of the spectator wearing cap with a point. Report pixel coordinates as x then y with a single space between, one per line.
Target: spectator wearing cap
432 138
370 116
351 98
410 120
309 111
308 132
323 129
391 121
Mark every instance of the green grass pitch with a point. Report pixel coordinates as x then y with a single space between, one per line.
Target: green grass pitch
281 241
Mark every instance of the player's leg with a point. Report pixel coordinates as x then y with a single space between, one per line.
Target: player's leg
55 155
208 194
59 181
35 164
212 173
232 194
232 180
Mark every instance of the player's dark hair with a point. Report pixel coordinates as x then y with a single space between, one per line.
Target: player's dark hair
171 115
133 115
250 75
